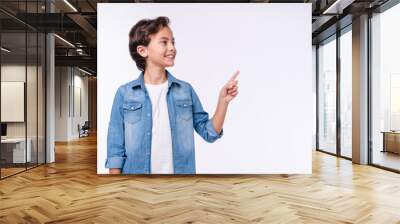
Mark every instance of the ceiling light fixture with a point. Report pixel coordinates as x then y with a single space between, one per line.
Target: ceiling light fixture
84 71
70 5
5 49
338 6
65 41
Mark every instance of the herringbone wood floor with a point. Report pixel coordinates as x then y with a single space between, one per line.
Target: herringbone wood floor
70 191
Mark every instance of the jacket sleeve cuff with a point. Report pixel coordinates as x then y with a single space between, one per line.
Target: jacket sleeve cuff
213 133
115 162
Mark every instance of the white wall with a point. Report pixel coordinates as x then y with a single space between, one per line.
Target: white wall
268 127
80 84
68 83
61 103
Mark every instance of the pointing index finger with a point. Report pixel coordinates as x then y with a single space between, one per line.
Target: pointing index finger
234 76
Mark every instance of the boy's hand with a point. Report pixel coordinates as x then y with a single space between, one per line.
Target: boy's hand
115 171
230 89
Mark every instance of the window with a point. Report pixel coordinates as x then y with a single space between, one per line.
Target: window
385 89
327 96
346 93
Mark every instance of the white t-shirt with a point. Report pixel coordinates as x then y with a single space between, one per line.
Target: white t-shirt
161 142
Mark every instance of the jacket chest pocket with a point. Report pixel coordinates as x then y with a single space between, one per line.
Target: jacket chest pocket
132 112
184 110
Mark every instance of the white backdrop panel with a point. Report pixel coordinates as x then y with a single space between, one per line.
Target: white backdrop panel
268 128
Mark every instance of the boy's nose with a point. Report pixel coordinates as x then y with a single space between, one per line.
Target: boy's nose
171 48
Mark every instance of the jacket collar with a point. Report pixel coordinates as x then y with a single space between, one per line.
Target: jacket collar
140 80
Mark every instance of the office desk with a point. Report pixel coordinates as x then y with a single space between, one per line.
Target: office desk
391 141
16 147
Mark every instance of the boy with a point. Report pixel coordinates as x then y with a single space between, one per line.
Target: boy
153 117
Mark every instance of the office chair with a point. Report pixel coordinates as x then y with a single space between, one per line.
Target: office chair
84 130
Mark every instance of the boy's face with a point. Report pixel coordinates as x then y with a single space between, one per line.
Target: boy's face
161 50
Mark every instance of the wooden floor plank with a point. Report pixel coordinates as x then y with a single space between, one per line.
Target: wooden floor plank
70 191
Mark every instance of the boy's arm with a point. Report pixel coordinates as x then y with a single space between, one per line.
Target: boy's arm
201 122
227 93
115 137
212 129
219 116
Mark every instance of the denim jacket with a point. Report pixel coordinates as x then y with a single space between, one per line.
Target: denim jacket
130 127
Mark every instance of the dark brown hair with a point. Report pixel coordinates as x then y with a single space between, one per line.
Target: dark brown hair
140 35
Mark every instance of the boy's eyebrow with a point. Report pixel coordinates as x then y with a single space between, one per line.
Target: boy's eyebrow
166 38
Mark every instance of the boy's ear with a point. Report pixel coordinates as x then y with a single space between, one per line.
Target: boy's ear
142 50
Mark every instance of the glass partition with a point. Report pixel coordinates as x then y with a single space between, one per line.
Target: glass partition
22 77
346 93
327 96
13 95
385 89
